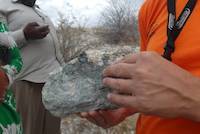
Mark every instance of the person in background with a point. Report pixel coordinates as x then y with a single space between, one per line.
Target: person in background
37 39
10 65
163 81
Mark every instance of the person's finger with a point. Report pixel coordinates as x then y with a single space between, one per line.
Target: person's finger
84 115
122 100
119 85
41 35
107 123
121 70
98 118
129 59
87 116
44 34
47 30
43 29
118 61
91 119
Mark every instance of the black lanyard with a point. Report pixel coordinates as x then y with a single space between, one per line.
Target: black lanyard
174 26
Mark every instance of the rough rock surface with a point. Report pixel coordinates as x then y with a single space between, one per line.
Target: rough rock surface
76 88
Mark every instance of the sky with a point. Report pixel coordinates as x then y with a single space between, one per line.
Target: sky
85 10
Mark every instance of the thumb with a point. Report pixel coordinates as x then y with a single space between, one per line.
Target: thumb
33 24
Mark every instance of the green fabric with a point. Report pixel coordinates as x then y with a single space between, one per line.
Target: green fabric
10 122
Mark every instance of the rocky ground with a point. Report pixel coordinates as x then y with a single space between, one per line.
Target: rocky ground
76 125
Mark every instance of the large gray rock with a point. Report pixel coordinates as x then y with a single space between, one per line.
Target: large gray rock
76 88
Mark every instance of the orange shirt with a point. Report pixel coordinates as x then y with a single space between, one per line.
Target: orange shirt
153 30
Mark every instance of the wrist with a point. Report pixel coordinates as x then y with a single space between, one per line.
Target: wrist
191 109
19 37
25 35
192 112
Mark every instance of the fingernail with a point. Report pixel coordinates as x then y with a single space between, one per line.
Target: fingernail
109 96
104 81
83 113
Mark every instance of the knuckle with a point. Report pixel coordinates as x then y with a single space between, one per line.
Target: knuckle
118 69
119 86
141 71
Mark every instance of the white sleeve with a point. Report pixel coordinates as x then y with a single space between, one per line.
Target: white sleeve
3 17
4 40
19 37
3 37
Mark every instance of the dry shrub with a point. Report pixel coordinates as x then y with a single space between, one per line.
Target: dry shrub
71 35
118 22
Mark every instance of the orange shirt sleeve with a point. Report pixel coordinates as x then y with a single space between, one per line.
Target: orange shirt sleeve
143 27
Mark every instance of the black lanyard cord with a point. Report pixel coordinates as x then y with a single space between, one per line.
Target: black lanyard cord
174 26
